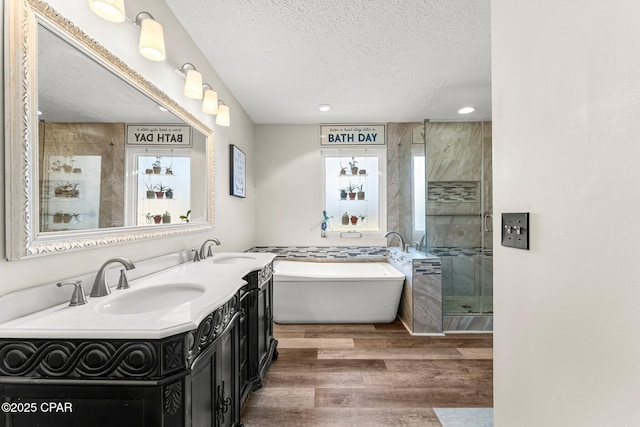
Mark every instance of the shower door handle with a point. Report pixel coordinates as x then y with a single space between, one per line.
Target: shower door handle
488 222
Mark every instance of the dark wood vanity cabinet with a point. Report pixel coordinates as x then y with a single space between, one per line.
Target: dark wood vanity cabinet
261 350
198 378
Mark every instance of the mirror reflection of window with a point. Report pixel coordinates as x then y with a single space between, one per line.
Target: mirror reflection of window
163 189
70 193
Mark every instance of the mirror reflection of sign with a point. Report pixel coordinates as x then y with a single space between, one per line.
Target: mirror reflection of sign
352 135
173 135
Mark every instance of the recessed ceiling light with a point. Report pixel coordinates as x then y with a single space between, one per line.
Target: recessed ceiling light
325 107
466 110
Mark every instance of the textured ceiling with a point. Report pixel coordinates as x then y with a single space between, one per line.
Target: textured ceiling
373 60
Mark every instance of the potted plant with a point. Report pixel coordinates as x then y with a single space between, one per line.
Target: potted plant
67 190
57 217
160 189
185 217
149 217
352 191
353 164
151 194
148 171
157 165
68 167
343 194
56 166
360 192
169 169
166 217
67 217
168 192
354 219
345 219
343 170
362 171
362 217
157 219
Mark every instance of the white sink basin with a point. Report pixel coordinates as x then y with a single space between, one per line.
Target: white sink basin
154 298
231 259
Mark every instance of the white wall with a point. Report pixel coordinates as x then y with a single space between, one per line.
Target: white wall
289 188
566 102
234 217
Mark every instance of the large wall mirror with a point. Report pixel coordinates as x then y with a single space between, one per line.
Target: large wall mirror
95 154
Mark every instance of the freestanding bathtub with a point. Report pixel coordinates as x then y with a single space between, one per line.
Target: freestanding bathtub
335 292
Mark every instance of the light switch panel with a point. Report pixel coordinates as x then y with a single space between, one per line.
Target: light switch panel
515 230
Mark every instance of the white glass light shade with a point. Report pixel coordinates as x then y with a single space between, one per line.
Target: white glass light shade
193 85
223 118
111 10
152 40
210 102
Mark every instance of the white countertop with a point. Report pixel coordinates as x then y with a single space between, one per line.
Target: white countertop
218 281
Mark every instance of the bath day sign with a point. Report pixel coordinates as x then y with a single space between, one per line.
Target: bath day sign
352 135
170 135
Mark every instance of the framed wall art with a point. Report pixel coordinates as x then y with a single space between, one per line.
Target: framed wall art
238 172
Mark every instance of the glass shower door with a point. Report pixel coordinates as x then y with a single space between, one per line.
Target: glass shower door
458 213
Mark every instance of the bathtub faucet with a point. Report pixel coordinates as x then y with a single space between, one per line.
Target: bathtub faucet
204 254
403 248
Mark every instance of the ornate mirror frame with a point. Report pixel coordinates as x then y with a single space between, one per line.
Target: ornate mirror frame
23 239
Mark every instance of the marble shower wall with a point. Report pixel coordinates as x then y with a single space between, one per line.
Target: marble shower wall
402 138
454 175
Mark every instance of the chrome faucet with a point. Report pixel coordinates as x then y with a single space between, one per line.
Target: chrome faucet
420 246
204 246
403 248
100 287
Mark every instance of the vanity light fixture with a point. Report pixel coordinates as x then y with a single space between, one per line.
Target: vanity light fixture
466 110
193 84
223 118
209 100
151 44
111 10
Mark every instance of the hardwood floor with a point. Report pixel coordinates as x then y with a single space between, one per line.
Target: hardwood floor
370 375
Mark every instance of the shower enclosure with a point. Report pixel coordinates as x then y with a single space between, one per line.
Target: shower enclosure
458 218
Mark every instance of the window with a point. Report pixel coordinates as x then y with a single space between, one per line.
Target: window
354 190
419 193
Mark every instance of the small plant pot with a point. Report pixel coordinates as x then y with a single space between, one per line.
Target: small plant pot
148 171
156 169
168 194
362 171
360 195
345 220
354 220
169 172
354 170
151 194
66 218
157 219
166 219
57 218
352 196
67 168
159 194
343 195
